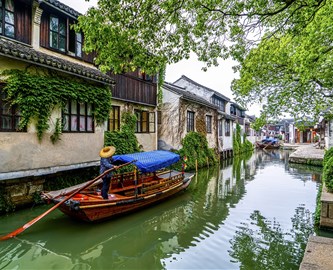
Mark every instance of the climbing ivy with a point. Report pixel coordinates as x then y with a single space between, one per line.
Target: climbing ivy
37 95
195 147
161 78
124 139
238 146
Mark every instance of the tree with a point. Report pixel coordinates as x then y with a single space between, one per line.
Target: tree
293 73
148 34
124 31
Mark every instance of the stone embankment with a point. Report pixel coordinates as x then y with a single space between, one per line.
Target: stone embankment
306 154
319 250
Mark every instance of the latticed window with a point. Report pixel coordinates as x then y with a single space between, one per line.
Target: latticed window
190 121
142 120
220 127
208 123
152 122
78 49
227 127
77 117
57 33
114 119
9 115
7 19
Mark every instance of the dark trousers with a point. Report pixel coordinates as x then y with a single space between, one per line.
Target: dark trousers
106 186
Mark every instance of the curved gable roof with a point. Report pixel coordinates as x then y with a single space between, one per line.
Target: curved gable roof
215 93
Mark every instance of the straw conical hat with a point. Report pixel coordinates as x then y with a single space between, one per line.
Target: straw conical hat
107 151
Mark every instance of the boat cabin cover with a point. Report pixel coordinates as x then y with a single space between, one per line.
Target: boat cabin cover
148 161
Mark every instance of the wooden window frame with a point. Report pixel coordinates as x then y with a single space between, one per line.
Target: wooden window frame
227 128
190 117
220 128
70 115
13 114
142 121
209 119
114 119
152 122
59 35
3 22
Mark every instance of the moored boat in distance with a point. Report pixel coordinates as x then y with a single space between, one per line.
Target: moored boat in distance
131 191
268 143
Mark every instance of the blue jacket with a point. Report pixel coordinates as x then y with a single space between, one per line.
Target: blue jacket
105 165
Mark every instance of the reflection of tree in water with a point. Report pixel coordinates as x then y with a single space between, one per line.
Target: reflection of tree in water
264 244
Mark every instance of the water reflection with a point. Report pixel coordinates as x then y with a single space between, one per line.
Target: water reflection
251 211
255 242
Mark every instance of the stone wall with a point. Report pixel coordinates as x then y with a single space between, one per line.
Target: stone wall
326 214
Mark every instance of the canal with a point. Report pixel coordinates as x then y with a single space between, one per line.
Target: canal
252 213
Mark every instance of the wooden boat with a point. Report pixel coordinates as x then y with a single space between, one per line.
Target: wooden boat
268 143
147 185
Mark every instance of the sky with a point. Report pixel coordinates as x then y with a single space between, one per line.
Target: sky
217 78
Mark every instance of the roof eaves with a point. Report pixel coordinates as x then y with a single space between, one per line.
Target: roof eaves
27 54
200 85
62 8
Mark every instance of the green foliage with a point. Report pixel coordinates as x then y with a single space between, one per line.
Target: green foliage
328 174
238 146
124 139
37 95
57 132
318 206
129 34
328 154
259 123
161 78
292 72
195 147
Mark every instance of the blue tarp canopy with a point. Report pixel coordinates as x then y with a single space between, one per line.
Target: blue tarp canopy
148 161
270 140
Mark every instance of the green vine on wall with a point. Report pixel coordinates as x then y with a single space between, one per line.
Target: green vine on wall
195 148
161 78
124 139
238 146
37 95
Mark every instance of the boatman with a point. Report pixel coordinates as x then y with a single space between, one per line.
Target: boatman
106 163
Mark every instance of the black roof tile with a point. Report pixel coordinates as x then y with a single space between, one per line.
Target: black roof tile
28 54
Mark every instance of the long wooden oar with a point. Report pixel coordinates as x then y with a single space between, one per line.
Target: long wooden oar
27 225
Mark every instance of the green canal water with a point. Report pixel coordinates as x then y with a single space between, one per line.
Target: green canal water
252 214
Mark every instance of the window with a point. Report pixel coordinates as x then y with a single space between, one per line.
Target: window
232 110
7 21
227 127
220 127
142 121
190 121
114 119
208 123
9 115
220 103
57 33
78 50
152 122
77 117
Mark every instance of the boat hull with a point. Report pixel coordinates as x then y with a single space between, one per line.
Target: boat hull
94 211
267 146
